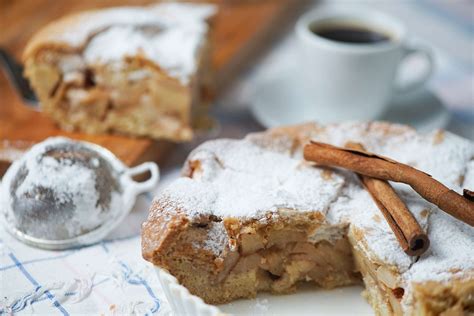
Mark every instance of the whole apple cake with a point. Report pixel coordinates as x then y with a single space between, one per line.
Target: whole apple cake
252 215
142 71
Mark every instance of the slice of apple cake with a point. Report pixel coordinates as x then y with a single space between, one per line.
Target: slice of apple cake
140 71
252 215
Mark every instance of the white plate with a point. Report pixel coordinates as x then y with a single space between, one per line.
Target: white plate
282 101
308 300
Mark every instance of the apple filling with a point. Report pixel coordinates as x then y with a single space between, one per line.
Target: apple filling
259 257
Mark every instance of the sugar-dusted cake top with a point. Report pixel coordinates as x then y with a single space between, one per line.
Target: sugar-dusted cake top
265 173
168 34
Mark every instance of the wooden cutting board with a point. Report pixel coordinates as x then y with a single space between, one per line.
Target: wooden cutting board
241 29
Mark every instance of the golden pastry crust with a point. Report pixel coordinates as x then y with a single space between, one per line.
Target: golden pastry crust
51 36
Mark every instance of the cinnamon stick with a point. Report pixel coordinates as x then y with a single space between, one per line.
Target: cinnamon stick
404 225
468 194
384 168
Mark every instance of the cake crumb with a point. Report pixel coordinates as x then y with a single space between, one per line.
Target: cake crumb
438 137
262 304
377 218
424 213
327 174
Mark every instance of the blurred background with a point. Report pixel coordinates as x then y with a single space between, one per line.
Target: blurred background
257 42
446 27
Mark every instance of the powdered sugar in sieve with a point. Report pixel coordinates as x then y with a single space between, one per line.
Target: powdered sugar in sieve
64 193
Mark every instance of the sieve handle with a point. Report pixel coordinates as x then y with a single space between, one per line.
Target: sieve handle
150 183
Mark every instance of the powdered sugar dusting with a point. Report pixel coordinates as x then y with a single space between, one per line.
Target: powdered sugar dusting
169 34
450 255
248 178
216 238
174 50
468 179
261 304
163 14
238 178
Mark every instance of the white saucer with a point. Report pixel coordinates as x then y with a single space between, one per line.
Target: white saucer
282 101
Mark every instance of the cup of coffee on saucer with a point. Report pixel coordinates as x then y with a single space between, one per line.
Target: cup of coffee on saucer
350 59
348 64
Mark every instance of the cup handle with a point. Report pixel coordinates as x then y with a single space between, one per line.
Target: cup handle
416 49
147 185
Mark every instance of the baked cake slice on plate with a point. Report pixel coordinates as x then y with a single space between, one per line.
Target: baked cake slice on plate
252 215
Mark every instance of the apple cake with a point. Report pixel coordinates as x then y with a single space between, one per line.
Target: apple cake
142 71
252 215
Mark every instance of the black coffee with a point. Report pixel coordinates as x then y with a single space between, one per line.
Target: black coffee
351 34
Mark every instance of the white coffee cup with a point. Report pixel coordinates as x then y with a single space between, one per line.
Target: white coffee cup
354 81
